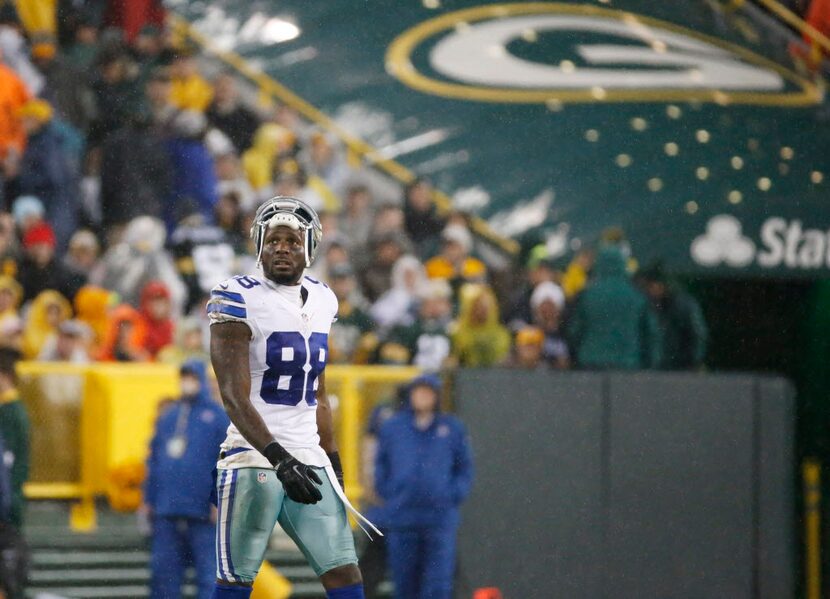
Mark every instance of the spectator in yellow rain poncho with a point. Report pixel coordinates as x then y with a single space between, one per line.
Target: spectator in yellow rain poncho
48 310
259 162
479 339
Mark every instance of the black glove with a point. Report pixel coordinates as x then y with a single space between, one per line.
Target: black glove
297 478
334 458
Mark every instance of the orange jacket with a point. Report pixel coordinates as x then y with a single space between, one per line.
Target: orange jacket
13 95
125 316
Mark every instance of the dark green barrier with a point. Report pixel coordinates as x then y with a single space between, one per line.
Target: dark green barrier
618 486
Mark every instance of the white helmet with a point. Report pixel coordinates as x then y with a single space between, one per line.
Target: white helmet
292 213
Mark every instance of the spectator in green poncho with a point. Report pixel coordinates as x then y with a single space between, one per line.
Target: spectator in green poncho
612 325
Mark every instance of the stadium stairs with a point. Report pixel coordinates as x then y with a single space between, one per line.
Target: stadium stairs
114 561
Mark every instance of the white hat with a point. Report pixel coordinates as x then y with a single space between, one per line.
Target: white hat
145 234
459 234
434 289
547 291
27 206
75 328
84 238
189 123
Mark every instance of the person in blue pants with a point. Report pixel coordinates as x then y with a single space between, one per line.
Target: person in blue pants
423 472
179 492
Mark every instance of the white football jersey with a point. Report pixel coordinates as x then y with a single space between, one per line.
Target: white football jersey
287 354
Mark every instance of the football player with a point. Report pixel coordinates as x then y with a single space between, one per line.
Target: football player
279 462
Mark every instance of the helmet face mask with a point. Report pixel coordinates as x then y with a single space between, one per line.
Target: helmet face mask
290 212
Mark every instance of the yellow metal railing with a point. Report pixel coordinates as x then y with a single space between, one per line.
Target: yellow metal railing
88 420
358 389
371 155
811 473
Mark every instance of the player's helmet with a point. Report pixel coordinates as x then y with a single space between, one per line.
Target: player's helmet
290 212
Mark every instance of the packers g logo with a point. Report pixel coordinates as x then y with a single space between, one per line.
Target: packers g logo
490 54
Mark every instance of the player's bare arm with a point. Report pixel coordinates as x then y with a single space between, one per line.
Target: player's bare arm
229 356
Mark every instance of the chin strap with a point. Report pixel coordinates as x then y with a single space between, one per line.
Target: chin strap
307 248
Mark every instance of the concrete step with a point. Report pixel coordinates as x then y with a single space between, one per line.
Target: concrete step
44 559
87 576
113 561
109 592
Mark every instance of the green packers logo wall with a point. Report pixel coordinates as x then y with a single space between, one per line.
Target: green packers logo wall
544 52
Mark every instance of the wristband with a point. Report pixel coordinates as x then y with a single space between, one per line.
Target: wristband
275 453
334 458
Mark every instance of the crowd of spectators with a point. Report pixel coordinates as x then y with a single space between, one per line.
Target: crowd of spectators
129 181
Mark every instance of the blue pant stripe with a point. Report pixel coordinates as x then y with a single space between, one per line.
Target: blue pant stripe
219 514
232 493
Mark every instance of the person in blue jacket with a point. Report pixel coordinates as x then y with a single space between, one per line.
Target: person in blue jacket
178 492
373 559
423 472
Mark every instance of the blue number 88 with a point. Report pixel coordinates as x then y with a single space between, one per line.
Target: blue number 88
284 382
